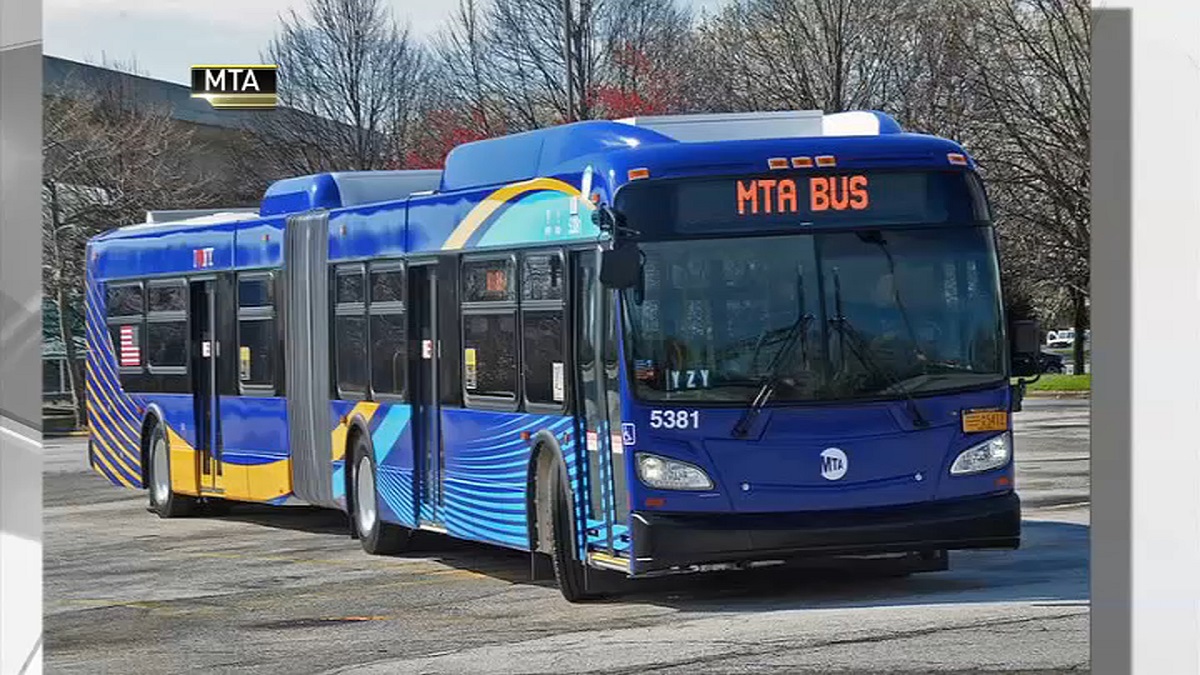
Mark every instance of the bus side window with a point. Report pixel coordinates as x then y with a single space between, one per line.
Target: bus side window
257 336
167 334
542 329
489 307
125 313
388 329
350 331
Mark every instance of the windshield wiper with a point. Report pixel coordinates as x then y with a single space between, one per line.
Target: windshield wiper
773 376
865 357
876 237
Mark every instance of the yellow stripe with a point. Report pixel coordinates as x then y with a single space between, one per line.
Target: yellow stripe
119 457
458 238
106 415
101 458
115 384
367 410
185 474
257 482
113 415
611 560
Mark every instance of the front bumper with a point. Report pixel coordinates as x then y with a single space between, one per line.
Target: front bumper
665 540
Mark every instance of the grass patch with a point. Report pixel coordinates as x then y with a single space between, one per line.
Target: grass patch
1063 383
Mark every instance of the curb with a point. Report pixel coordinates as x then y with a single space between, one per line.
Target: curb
64 434
1058 394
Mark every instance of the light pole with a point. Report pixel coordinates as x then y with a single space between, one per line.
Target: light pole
567 59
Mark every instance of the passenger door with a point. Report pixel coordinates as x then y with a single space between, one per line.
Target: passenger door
592 404
205 350
429 457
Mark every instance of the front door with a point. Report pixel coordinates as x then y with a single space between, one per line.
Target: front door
593 403
427 432
205 349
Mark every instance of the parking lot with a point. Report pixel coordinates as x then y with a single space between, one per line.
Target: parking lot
265 590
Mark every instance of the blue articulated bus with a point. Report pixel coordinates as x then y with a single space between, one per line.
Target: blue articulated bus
644 346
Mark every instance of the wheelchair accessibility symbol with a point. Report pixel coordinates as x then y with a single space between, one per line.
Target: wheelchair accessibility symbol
628 433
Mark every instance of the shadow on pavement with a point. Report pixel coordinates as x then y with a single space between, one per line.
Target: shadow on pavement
1051 567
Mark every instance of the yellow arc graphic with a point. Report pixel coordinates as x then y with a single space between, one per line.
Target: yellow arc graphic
458 238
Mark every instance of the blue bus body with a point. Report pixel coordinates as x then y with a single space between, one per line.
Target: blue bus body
277 421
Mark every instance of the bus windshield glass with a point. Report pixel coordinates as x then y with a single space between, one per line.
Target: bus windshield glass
840 315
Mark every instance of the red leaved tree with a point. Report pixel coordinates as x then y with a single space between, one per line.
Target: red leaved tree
443 129
639 85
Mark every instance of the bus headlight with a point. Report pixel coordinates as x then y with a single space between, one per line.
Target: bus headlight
991 454
670 474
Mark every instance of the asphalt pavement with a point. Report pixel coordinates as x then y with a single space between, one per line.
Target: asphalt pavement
270 590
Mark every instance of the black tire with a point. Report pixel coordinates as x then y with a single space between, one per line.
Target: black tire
164 501
377 537
568 571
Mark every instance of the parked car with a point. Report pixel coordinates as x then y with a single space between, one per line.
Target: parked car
1065 338
1052 363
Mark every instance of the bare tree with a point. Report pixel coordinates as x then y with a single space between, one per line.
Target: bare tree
350 82
818 54
526 39
1031 80
646 59
462 60
503 65
107 158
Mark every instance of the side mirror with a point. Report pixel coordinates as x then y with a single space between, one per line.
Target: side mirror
621 267
1026 348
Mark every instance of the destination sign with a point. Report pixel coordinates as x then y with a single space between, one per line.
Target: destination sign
771 195
788 201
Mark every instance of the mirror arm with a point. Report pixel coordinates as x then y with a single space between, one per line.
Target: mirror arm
1019 388
608 220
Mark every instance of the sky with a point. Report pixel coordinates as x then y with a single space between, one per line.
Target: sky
165 37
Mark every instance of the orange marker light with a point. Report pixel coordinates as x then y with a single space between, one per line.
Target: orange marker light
635 174
956 158
826 160
802 162
1002 481
655 502
595 197
777 163
524 435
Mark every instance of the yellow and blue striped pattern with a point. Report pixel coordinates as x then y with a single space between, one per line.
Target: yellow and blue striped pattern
114 418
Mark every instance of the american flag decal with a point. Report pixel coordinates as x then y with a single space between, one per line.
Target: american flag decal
202 257
131 354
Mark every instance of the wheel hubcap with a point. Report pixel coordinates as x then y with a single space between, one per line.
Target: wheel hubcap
161 471
364 498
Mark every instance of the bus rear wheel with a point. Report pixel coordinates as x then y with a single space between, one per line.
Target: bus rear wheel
164 501
377 537
568 571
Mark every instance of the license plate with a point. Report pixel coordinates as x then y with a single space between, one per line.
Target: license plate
974 421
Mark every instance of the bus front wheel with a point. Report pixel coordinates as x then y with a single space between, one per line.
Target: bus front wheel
568 571
164 501
377 537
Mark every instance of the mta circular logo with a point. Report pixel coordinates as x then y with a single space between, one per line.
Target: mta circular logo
833 464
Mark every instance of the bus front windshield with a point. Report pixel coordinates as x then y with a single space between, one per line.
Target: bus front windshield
847 315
